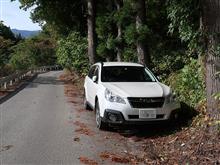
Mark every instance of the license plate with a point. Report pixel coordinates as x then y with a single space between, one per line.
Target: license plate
148 114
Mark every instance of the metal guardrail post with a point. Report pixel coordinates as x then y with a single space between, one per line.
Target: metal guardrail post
5 85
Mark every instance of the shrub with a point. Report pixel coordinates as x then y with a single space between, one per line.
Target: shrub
33 52
188 83
22 58
72 52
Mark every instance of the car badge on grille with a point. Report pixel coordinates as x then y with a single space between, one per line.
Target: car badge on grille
144 100
153 100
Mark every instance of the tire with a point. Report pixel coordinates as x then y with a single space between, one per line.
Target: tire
100 124
85 103
174 117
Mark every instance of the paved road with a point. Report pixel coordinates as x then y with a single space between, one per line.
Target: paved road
35 127
41 125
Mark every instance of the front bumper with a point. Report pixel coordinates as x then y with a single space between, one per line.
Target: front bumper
120 120
125 114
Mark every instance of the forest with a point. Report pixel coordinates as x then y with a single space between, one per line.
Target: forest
17 53
177 39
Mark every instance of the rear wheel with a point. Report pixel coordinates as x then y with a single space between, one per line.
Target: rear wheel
100 124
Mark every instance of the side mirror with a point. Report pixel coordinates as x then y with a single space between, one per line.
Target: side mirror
159 78
94 79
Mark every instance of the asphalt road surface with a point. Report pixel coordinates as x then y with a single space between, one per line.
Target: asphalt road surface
40 125
34 125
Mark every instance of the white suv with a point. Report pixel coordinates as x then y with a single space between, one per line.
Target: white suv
127 93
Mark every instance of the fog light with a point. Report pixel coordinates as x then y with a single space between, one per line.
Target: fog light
112 117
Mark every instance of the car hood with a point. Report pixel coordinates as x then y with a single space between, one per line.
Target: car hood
138 89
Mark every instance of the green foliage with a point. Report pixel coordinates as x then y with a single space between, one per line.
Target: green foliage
7 40
184 16
106 47
143 32
6 70
61 16
5 45
126 14
216 49
23 56
72 52
33 52
5 50
172 33
130 34
168 61
106 38
130 54
188 83
104 25
6 32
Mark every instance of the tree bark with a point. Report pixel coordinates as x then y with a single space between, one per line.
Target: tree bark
119 4
211 23
212 78
91 31
142 47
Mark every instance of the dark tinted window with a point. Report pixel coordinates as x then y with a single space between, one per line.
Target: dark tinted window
125 74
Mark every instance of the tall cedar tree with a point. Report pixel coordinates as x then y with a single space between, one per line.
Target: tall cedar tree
211 25
119 4
142 48
91 31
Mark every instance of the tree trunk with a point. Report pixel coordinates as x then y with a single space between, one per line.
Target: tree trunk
142 47
91 31
212 78
211 23
119 4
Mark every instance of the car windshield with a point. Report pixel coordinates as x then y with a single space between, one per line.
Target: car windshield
126 74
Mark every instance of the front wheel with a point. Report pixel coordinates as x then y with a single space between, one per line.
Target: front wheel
85 103
100 124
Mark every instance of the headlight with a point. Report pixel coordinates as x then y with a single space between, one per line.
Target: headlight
113 98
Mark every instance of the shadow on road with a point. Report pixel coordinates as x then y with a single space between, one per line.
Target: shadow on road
45 80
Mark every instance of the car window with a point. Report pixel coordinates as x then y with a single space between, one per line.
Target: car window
91 71
126 74
96 73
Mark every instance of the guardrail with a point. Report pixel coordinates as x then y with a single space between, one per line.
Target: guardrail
13 78
45 68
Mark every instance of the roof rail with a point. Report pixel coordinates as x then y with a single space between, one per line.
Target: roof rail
141 64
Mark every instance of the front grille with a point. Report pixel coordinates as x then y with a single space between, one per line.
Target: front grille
146 102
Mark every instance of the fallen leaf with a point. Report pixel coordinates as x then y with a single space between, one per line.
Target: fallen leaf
87 161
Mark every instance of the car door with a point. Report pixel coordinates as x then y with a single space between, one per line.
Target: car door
94 86
91 86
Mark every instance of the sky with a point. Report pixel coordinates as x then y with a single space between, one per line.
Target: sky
16 18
